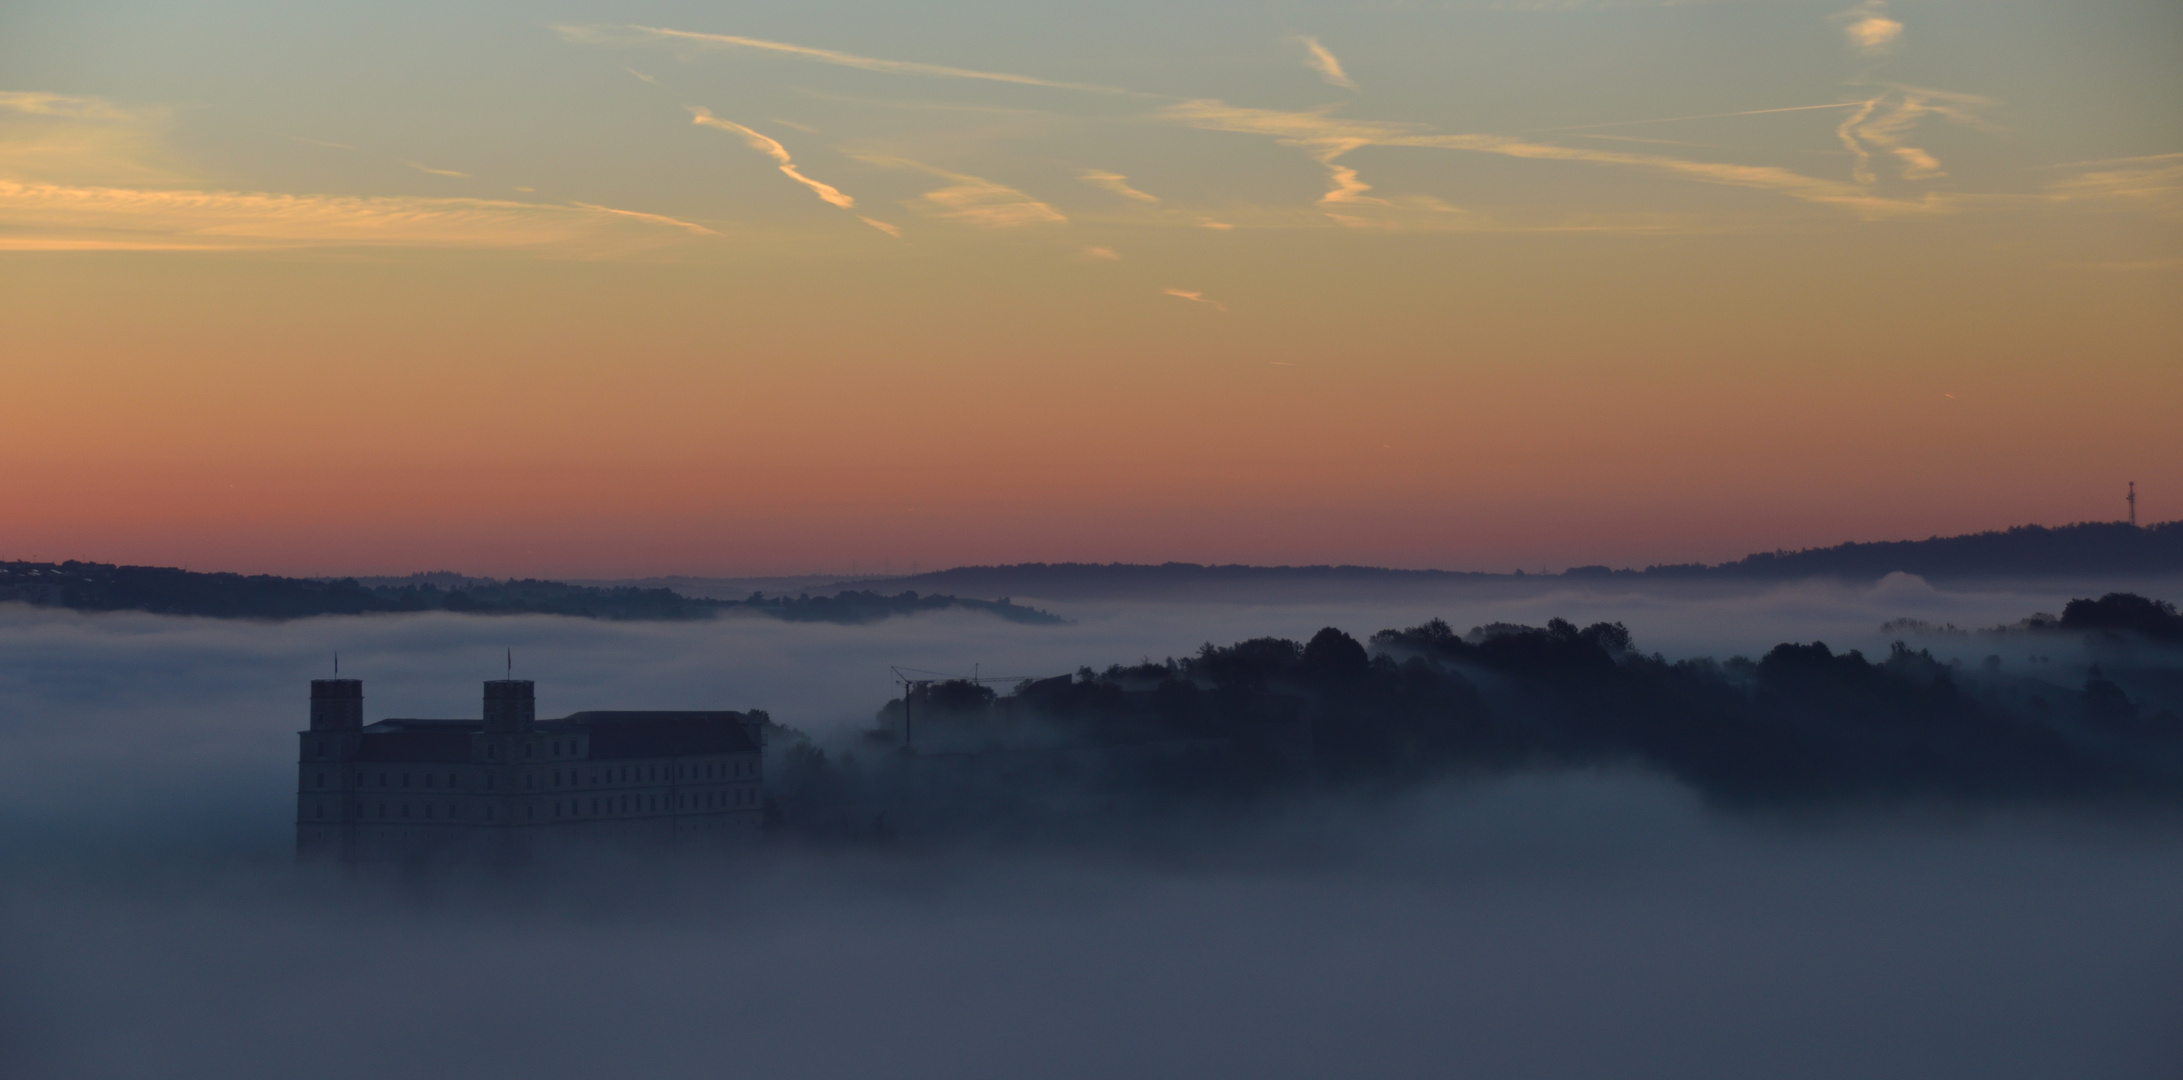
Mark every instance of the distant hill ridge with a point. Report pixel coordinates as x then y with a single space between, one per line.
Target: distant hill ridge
2089 548
2084 550
86 586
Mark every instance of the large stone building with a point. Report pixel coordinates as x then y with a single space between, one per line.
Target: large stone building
510 785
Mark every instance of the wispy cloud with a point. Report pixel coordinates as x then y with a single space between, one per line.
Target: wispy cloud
1101 254
975 200
1642 139
992 206
2143 159
767 145
1869 29
1317 132
1327 138
891 230
1317 58
636 35
1884 123
65 106
437 172
1758 177
656 219
1116 183
53 217
2156 186
1194 297
1705 116
642 75
73 139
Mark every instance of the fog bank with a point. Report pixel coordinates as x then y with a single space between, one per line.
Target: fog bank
1573 924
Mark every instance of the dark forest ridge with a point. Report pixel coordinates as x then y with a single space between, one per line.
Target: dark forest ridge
2082 550
168 591
2086 549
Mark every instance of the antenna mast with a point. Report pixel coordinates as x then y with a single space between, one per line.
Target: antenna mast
2132 499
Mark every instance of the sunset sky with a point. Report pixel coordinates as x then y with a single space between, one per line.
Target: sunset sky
601 290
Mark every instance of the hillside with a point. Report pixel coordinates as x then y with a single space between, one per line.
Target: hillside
170 591
2091 549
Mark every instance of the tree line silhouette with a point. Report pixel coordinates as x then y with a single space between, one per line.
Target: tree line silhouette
1802 725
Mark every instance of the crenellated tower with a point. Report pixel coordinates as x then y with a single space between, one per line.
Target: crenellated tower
325 804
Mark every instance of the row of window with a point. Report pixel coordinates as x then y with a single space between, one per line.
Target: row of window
707 770
612 804
703 770
620 804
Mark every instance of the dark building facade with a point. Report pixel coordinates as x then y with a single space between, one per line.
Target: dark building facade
511 786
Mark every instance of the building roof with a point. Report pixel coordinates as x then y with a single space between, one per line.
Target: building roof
658 734
614 734
418 740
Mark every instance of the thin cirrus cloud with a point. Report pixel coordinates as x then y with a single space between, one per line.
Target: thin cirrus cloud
1882 124
55 217
1869 29
1327 138
772 148
652 35
975 200
437 172
1319 59
1194 297
1317 132
1707 116
2153 183
64 106
74 139
1116 183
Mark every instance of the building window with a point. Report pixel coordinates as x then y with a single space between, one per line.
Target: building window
322 779
489 808
491 781
321 811
431 779
405 779
405 809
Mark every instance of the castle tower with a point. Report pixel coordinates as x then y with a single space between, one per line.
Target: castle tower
325 808
337 704
510 707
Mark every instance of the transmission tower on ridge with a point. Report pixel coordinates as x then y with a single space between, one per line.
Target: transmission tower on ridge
2132 499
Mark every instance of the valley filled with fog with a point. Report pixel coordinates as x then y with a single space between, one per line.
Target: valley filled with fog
1549 923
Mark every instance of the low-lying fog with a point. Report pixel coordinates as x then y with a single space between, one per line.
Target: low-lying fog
1571 925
